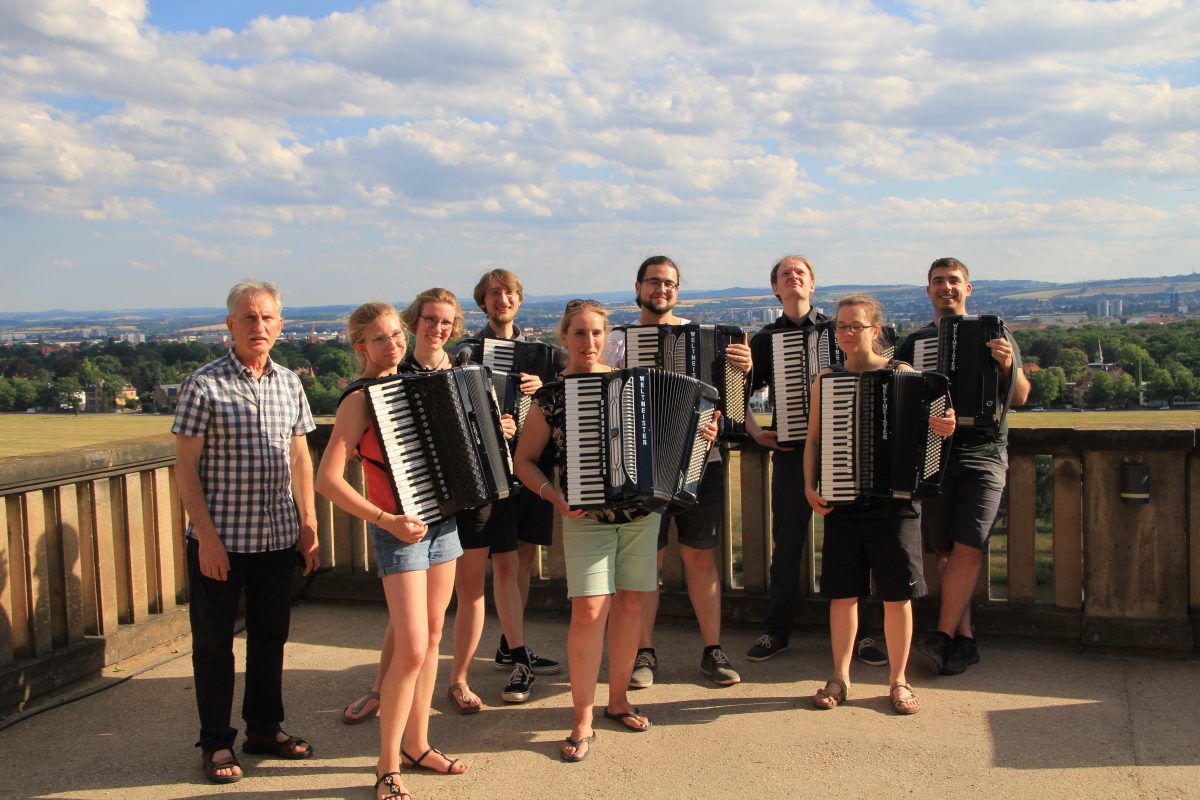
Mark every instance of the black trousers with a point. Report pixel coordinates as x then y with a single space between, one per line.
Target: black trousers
790 513
266 578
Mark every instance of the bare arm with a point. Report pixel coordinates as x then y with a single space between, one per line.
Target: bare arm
534 438
348 427
214 560
302 493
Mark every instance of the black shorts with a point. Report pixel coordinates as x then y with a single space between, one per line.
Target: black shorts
883 543
699 527
966 508
501 526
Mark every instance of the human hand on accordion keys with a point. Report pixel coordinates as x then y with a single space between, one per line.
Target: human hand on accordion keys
709 431
530 383
1002 351
945 424
508 426
739 356
403 527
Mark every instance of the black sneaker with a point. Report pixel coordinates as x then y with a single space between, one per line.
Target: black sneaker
936 647
869 653
963 653
766 646
520 681
715 665
540 666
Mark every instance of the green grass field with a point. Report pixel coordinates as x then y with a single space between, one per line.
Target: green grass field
23 434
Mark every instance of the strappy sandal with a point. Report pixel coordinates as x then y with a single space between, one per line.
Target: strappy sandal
458 695
211 767
362 709
409 761
825 699
270 746
576 757
905 705
392 788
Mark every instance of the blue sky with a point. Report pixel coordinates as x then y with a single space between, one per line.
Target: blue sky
153 153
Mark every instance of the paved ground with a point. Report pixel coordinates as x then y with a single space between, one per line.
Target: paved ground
1028 722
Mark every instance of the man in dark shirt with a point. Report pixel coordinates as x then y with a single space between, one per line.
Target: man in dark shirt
510 529
792 281
956 523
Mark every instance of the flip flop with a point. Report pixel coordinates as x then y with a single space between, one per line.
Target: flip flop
458 695
415 763
575 758
625 717
362 709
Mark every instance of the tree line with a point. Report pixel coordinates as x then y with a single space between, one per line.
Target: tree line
1166 358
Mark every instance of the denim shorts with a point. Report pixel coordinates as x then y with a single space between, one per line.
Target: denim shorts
602 557
439 545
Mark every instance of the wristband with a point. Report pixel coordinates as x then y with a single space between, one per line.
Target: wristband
543 486
381 513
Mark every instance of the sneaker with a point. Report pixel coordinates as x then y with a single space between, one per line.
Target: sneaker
644 668
715 665
963 653
539 665
868 653
764 647
520 681
936 647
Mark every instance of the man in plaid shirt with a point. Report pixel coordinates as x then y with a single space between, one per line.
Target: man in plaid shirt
245 477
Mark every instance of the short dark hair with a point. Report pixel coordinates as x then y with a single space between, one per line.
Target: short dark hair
654 261
947 263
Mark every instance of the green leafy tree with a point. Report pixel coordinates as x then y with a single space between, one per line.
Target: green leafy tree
1101 391
1187 387
1161 385
1128 355
1047 386
1125 391
337 362
1073 362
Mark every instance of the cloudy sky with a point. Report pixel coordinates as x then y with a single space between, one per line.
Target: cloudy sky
152 153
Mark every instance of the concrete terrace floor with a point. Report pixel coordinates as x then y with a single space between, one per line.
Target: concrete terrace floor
1028 722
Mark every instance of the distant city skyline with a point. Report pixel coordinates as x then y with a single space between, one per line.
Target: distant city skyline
153 153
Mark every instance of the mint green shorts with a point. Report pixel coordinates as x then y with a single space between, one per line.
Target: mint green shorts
602 558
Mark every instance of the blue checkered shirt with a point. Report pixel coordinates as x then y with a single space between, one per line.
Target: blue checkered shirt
245 467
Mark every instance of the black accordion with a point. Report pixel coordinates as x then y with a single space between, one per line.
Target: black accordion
875 435
441 441
960 352
633 438
508 358
797 358
697 351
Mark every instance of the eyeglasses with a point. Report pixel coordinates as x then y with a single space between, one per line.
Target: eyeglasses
434 322
395 337
577 303
659 283
856 327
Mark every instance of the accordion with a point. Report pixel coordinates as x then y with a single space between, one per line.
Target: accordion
441 441
699 352
875 435
797 358
633 438
960 352
507 359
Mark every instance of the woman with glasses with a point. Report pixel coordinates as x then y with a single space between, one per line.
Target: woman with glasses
416 563
610 553
872 537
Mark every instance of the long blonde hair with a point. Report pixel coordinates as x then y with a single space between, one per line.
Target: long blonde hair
363 316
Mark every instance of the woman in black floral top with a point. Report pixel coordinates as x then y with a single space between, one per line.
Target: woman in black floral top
610 553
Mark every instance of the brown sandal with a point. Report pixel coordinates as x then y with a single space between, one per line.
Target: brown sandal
458 695
825 699
905 705
211 767
390 786
270 746
362 709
